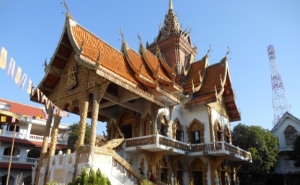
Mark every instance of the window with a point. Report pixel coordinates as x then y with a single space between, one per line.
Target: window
11 128
163 129
195 137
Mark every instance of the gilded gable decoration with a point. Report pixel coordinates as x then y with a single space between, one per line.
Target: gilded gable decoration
218 131
71 77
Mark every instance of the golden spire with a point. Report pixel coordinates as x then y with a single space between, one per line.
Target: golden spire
170 5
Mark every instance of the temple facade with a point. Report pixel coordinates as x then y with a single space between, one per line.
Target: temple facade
165 111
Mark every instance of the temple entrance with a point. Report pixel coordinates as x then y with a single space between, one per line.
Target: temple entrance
197 176
179 176
127 131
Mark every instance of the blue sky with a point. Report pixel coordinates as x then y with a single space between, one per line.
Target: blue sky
30 31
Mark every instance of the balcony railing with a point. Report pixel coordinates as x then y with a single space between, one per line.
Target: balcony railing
31 137
286 170
204 148
23 160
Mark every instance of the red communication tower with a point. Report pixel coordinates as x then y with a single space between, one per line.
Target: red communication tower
279 99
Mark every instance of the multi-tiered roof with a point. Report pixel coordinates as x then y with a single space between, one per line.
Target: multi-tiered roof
163 72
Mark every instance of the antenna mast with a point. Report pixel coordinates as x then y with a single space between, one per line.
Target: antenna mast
279 99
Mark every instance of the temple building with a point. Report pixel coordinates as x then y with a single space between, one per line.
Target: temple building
165 110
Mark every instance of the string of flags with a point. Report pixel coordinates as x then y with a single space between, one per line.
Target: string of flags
20 80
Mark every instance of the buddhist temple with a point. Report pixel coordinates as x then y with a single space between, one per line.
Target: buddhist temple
164 110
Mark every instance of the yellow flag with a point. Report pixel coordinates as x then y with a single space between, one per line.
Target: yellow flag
29 89
3 119
3 58
18 75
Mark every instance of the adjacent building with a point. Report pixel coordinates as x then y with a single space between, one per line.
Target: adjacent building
25 138
166 111
287 130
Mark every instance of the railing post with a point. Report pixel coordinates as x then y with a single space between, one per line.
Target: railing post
223 145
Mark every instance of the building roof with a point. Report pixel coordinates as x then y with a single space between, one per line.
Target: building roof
148 74
24 110
284 117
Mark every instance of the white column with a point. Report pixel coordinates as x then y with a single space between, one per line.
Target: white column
29 130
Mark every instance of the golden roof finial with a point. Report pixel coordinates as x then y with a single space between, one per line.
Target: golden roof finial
170 5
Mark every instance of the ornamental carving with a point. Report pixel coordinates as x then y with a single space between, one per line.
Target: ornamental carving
71 77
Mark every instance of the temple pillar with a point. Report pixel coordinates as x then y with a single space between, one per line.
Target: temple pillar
49 111
99 91
83 108
54 134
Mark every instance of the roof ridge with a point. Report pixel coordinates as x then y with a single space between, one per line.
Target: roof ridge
22 104
88 31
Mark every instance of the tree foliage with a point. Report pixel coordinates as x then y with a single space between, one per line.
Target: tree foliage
73 135
91 178
264 149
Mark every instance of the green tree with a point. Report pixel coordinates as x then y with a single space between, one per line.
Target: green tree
73 135
264 149
91 178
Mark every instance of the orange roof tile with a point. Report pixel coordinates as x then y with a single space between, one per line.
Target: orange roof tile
110 58
137 60
193 75
23 109
154 62
212 78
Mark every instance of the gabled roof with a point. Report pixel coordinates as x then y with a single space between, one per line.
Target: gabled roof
284 117
193 80
128 68
215 85
24 110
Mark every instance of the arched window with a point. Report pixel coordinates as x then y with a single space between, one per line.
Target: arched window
227 132
177 130
290 134
162 124
218 131
196 132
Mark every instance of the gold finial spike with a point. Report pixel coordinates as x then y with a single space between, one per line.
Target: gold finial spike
139 38
66 6
121 33
170 5
228 50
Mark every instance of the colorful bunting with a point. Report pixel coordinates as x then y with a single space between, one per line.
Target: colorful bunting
29 89
3 58
21 83
11 67
18 75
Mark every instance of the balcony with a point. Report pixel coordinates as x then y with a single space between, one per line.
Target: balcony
290 170
20 160
31 137
154 143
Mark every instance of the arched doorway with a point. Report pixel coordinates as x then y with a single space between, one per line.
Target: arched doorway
198 172
127 123
162 124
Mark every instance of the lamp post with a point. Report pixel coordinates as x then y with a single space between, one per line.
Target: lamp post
11 151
